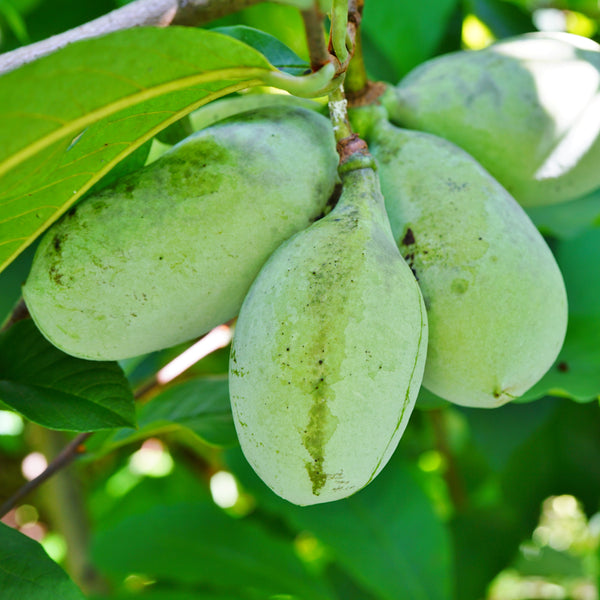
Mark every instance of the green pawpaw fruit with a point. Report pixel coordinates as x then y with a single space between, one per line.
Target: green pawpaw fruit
495 297
168 252
328 352
527 108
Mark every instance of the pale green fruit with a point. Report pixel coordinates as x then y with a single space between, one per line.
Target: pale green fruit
495 298
328 352
170 251
527 108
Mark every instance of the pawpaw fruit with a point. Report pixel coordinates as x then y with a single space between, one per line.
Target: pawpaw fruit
495 297
168 252
328 352
526 108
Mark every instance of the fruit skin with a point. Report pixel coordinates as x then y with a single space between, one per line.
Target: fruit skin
328 352
526 108
169 252
495 297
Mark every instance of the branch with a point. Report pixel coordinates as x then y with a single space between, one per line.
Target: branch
452 475
62 459
157 13
65 457
315 37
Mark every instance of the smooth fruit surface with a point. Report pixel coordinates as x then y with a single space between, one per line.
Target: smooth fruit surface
328 352
169 252
495 298
527 108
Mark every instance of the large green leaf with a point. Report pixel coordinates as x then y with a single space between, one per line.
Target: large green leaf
200 405
59 391
387 536
576 372
199 544
399 35
68 118
28 573
567 219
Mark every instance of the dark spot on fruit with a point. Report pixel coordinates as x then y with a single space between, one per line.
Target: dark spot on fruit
57 243
409 237
459 286
72 212
563 367
55 275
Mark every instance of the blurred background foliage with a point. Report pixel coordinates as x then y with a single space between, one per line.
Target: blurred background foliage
496 505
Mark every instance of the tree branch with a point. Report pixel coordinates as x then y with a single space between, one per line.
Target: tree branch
454 481
67 455
315 37
63 458
157 13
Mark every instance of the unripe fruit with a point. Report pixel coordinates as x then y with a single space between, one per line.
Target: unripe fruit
495 298
527 108
328 352
170 251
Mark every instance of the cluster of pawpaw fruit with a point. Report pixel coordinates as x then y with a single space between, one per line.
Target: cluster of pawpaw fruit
426 270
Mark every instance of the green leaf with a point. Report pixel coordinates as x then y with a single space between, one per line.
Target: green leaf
562 457
176 593
15 21
102 98
59 391
517 422
502 18
199 544
387 536
28 573
576 372
567 220
200 405
277 53
281 21
485 541
11 280
402 34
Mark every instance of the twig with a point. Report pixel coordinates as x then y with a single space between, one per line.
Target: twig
62 459
315 37
66 456
65 507
452 476
158 13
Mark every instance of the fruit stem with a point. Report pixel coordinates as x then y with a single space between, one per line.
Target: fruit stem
338 112
353 151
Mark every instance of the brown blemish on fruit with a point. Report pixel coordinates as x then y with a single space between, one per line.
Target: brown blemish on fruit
409 237
563 367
